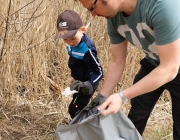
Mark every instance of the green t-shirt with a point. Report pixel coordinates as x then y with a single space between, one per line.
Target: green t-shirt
153 22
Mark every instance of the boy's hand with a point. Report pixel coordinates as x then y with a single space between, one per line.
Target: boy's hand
71 80
82 87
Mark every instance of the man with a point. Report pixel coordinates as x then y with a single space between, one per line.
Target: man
153 26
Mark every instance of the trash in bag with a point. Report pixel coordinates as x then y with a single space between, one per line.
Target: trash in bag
90 125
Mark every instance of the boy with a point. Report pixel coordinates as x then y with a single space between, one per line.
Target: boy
83 61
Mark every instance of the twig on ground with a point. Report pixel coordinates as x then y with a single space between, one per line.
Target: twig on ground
53 85
166 136
5 115
17 116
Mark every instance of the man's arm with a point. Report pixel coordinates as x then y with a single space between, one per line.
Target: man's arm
115 67
166 71
169 55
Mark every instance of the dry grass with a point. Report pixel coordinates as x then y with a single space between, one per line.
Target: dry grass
30 108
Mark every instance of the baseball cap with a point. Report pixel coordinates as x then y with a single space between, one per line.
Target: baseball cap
68 23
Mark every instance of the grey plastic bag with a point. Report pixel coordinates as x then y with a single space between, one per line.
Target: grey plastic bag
90 125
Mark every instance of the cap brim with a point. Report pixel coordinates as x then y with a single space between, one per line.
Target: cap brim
66 34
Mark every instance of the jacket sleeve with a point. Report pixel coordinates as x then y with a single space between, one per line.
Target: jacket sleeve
92 61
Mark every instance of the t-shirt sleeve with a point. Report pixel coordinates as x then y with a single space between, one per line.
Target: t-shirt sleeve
115 37
165 20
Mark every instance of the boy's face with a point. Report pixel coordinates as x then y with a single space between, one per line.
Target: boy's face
76 39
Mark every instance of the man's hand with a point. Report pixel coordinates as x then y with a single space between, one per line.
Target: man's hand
99 99
111 105
82 87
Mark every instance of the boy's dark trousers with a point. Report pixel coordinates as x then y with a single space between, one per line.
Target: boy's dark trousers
143 105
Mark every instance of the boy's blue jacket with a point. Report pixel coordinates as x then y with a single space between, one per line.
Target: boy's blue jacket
84 63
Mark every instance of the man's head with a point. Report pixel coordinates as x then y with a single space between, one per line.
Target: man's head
104 8
68 23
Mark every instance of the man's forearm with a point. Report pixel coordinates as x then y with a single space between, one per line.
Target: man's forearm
112 77
158 77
